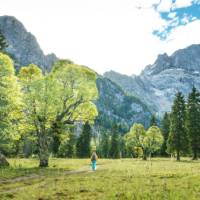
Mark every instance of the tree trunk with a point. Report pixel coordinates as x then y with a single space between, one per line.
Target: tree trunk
178 156
3 161
150 156
43 150
144 157
195 156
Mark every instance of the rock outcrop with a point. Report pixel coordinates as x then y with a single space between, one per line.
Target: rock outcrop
3 161
22 45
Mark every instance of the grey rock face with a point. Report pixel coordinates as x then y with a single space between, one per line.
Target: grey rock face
158 83
116 106
23 46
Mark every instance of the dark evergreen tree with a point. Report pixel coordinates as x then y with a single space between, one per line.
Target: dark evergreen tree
153 121
193 121
55 144
105 145
165 129
115 144
178 138
3 43
58 129
71 146
83 143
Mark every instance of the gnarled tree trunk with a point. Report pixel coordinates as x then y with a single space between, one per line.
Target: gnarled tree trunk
43 147
43 151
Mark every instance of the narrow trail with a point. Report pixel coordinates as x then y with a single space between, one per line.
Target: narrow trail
42 180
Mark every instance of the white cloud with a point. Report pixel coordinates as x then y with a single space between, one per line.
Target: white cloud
172 15
182 37
182 3
165 6
102 34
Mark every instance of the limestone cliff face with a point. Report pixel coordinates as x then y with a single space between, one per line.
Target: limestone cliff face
23 46
158 83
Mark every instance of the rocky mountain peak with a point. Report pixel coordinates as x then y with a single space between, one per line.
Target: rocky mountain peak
187 59
23 46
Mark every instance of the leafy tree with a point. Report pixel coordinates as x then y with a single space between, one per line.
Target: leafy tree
83 143
71 146
10 105
153 121
115 144
58 99
193 122
76 90
136 138
153 139
165 129
178 138
3 43
39 107
67 147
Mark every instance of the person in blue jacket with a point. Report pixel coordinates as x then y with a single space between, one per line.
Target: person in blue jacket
94 160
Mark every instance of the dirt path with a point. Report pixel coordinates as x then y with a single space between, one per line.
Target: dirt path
42 181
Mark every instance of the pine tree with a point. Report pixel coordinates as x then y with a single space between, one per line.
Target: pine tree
165 128
83 143
115 148
3 43
153 121
178 138
105 145
193 121
70 151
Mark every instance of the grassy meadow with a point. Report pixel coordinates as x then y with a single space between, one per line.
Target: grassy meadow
122 179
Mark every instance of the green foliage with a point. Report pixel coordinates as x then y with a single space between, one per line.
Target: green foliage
67 148
148 141
153 121
3 43
114 151
83 147
75 91
165 129
10 106
192 122
153 139
104 144
136 138
178 137
56 100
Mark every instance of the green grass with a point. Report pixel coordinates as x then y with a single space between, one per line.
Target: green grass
114 179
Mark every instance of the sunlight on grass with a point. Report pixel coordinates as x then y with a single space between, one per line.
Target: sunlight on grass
114 179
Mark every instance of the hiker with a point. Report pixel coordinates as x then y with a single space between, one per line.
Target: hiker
94 160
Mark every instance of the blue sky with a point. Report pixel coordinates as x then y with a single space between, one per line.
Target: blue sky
120 35
176 17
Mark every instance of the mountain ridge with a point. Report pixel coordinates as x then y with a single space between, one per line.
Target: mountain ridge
22 45
160 81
